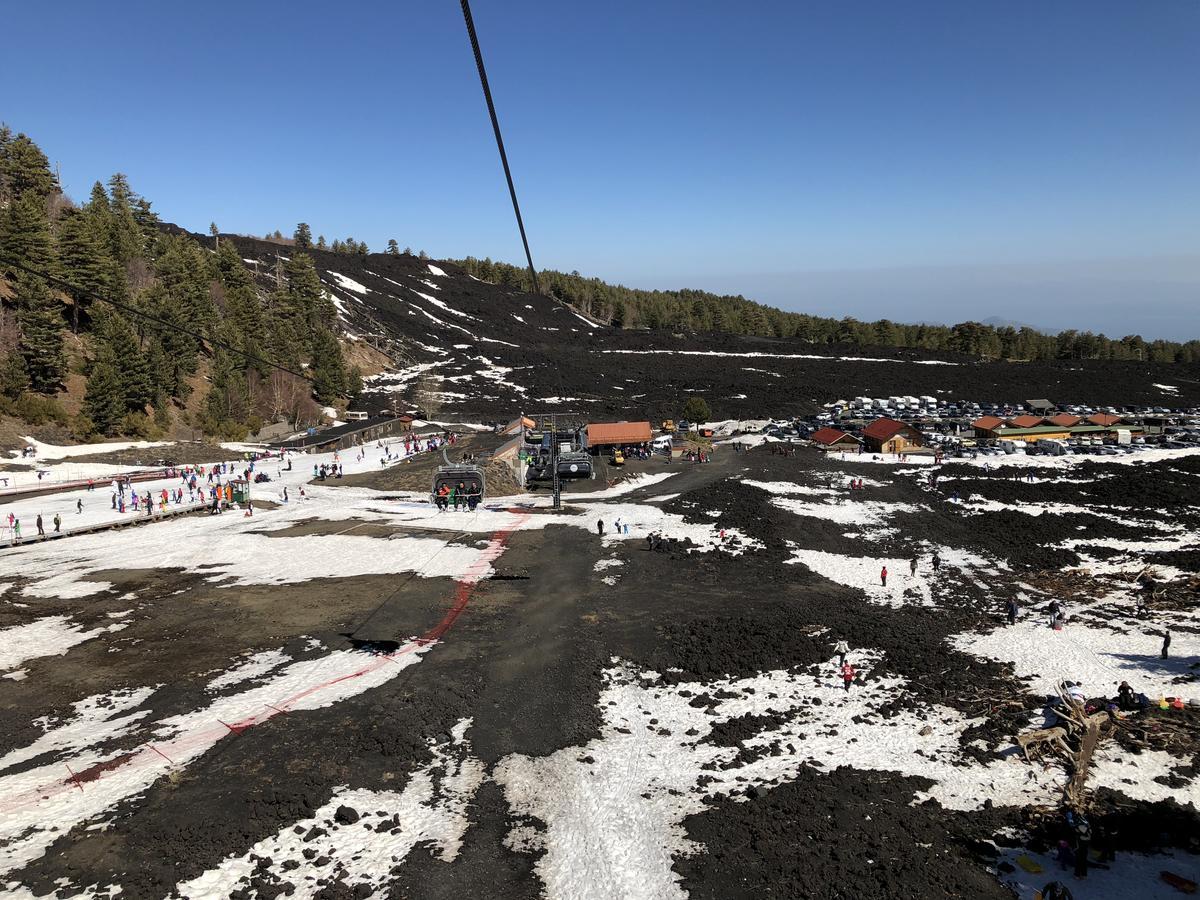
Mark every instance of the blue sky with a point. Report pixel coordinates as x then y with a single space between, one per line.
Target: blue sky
925 160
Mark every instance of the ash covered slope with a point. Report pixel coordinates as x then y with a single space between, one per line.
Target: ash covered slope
496 352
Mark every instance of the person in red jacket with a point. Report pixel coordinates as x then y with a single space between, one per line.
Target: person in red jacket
847 675
883 576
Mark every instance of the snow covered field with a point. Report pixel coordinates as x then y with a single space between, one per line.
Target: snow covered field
603 817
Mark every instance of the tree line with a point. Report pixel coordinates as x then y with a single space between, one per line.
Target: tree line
302 239
695 310
182 317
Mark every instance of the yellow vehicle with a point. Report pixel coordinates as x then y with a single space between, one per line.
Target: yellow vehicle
668 426
618 458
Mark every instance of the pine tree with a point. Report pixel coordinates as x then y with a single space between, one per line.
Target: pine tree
227 406
25 169
104 401
40 317
393 248
321 242
83 252
171 354
120 347
14 380
307 297
181 267
244 326
328 368
25 231
127 239
303 237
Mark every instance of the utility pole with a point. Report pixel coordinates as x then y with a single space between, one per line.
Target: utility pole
554 463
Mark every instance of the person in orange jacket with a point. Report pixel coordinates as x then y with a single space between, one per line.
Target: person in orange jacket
847 675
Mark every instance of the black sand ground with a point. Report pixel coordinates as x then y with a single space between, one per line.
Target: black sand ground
525 661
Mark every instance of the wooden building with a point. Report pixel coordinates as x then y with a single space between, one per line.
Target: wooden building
834 439
890 436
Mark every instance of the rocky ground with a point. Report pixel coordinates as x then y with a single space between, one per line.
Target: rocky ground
352 695
493 351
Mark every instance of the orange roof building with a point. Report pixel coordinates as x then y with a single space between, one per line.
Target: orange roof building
602 434
1104 419
1066 420
987 423
1025 421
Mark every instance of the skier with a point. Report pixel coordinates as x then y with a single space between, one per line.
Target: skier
847 675
883 576
841 648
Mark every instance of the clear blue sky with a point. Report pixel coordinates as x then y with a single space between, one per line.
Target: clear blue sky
1050 152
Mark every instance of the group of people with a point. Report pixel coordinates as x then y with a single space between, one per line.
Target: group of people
205 484
841 648
461 494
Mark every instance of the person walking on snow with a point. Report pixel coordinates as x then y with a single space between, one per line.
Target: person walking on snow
847 675
78 505
57 523
841 648
1166 647
1011 609
912 567
600 527
42 533
937 562
883 576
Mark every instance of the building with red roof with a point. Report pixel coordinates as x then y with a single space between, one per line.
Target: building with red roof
833 439
1066 420
891 436
1025 421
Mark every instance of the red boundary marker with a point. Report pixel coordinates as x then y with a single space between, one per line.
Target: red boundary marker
148 751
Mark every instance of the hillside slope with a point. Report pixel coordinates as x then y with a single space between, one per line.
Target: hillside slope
494 352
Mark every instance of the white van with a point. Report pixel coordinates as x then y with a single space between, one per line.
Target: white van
662 442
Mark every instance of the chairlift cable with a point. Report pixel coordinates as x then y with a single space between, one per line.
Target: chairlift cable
487 94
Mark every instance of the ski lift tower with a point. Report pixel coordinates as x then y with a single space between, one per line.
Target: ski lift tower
552 423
